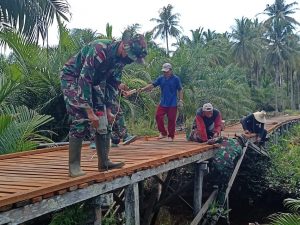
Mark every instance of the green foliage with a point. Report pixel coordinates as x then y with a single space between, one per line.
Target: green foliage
292 218
230 70
7 87
32 18
214 212
284 172
142 127
73 215
109 220
18 129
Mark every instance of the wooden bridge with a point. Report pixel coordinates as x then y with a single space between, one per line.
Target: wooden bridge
35 183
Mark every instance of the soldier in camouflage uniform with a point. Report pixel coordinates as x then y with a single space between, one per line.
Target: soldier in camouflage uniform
84 80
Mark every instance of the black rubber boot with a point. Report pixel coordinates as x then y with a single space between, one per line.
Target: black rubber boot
75 145
103 147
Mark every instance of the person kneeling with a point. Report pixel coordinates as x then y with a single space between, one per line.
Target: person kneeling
207 124
254 123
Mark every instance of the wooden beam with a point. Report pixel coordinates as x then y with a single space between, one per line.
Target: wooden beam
132 209
236 169
98 211
200 168
163 200
29 212
205 207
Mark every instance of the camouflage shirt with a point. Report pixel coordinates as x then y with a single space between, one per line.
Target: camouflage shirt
86 75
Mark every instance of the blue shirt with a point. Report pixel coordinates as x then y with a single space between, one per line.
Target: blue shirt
169 87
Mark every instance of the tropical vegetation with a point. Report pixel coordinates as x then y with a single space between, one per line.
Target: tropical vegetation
289 218
253 66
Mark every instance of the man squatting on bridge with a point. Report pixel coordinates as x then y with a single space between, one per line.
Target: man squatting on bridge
207 124
89 82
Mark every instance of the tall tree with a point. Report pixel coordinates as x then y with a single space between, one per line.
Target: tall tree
246 45
32 18
279 25
243 45
167 25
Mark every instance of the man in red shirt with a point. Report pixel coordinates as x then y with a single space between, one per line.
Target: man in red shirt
207 124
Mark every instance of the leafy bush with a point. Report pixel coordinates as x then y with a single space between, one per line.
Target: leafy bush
284 171
73 215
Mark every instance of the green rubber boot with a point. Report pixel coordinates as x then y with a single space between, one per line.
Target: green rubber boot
103 147
75 145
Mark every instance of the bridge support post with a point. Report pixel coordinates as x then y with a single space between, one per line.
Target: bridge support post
98 211
200 168
132 211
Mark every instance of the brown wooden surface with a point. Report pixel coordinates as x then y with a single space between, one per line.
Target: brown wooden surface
39 174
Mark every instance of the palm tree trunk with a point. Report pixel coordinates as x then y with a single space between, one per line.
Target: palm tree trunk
287 81
292 91
297 92
276 86
167 41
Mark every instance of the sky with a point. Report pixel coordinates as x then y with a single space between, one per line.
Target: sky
218 15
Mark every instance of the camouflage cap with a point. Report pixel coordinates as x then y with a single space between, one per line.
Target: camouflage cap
135 47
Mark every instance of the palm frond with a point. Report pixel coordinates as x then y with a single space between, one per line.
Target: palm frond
21 133
285 219
292 204
32 18
7 87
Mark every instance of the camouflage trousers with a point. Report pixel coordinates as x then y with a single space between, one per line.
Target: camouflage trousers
80 125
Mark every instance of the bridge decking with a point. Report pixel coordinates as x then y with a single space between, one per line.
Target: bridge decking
29 177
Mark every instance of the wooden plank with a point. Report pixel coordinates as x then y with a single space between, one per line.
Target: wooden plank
236 169
204 209
156 153
39 151
57 202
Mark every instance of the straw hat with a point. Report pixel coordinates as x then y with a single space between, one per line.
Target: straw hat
260 116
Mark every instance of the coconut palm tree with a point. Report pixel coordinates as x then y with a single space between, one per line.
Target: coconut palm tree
167 25
246 46
243 46
279 25
32 18
292 66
